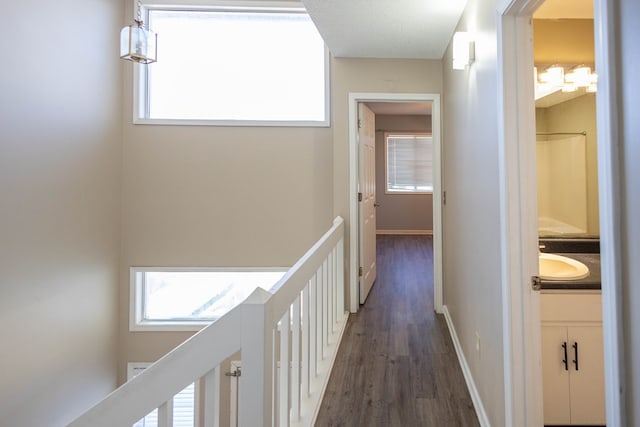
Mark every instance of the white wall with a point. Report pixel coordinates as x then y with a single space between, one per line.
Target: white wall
60 134
471 214
628 91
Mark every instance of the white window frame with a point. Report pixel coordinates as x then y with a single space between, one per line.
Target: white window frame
140 82
386 164
136 303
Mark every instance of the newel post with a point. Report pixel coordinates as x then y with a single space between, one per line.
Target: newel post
255 400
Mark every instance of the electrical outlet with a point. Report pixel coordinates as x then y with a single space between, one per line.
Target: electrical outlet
477 342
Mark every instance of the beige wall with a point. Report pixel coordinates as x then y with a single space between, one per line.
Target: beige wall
372 76
471 215
237 196
563 41
60 150
408 212
210 196
577 115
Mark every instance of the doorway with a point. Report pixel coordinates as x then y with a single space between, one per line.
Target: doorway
523 377
354 159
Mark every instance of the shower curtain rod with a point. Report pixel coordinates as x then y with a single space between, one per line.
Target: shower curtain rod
584 132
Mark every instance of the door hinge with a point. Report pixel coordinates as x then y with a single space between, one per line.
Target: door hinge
444 197
360 272
359 197
236 373
359 124
536 283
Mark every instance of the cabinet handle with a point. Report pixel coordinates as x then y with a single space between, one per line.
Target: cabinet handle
565 361
575 349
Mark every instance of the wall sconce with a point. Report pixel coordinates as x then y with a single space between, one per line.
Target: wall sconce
463 50
137 43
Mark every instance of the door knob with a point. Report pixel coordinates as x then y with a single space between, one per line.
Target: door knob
376 205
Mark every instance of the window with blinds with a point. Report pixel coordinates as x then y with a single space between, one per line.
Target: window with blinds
183 403
409 163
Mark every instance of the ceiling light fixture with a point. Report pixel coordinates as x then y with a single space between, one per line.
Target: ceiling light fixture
463 50
137 43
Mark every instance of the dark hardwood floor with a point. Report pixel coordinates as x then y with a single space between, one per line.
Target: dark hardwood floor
396 365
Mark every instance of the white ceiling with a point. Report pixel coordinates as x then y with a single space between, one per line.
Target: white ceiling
386 28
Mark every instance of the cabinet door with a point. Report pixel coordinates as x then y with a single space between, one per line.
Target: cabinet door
587 382
555 378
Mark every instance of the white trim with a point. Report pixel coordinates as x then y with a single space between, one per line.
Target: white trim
520 308
607 117
483 419
406 232
354 99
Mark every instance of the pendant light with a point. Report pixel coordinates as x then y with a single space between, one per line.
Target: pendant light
137 43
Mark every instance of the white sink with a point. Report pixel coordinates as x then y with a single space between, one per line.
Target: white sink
558 267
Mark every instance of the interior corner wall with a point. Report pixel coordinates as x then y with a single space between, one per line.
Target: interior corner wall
357 75
60 157
471 215
627 63
398 213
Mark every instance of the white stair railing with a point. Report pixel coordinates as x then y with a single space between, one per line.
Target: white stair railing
297 326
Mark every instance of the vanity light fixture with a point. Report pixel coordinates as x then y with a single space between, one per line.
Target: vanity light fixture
463 50
566 79
137 43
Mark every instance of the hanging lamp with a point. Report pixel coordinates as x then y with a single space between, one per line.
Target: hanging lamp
137 43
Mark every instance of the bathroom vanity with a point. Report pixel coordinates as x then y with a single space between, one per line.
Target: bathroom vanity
572 347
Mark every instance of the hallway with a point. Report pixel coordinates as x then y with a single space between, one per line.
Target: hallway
396 365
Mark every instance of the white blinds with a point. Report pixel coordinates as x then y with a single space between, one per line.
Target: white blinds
183 403
409 163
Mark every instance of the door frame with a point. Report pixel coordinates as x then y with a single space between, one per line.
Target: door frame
354 99
523 385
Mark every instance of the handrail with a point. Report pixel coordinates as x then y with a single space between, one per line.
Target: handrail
261 328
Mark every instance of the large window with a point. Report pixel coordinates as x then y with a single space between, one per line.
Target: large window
235 66
188 299
409 163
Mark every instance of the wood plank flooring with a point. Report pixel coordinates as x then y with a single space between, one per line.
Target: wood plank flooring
396 365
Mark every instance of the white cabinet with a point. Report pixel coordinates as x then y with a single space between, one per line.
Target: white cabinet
572 358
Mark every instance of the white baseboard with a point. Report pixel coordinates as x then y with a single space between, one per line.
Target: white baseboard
403 232
466 372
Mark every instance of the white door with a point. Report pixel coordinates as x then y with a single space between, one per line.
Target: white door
367 203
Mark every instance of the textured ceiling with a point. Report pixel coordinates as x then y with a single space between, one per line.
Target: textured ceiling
386 28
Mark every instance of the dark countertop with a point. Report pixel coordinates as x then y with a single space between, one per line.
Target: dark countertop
592 281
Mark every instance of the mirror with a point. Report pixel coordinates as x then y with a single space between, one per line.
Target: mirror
566 147
567 168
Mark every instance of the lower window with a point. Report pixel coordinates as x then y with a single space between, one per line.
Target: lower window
187 298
